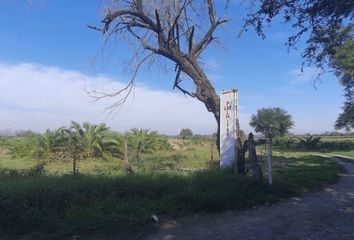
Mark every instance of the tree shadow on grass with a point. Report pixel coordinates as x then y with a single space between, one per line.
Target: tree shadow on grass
65 205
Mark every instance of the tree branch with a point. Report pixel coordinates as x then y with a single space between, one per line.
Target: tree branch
211 11
177 82
99 95
112 16
206 38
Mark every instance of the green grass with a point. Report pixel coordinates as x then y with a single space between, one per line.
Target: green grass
304 172
344 153
185 154
63 205
16 163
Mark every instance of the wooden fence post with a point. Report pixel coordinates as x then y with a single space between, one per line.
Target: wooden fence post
269 158
256 169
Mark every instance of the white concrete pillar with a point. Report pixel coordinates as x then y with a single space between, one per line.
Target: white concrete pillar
228 123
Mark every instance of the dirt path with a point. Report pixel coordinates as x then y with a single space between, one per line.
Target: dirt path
328 214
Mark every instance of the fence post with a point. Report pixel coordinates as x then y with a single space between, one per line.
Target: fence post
269 158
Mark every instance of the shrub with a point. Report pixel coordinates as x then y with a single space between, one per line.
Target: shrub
310 142
284 142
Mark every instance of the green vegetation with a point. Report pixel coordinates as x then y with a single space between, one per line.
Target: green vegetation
310 142
301 171
100 151
70 204
323 143
271 122
89 141
146 141
343 63
38 193
344 153
186 133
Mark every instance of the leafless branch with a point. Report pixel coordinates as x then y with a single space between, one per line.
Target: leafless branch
211 11
173 30
123 93
112 16
207 37
95 28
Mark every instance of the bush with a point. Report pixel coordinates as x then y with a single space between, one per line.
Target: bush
284 142
21 147
37 170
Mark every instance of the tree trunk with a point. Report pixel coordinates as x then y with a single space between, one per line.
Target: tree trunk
205 92
217 141
74 164
128 169
211 153
126 157
169 43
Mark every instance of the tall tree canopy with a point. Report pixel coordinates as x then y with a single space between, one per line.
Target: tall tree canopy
328 27
325 24
177 30
343 63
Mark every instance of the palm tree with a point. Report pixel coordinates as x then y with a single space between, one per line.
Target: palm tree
46 143
51 141
92 139
143 141
139 141
310 142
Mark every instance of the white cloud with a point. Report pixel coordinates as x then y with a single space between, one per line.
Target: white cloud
40 97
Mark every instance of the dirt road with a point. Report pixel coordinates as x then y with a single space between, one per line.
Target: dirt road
328 214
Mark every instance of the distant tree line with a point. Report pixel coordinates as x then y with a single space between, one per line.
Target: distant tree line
314 142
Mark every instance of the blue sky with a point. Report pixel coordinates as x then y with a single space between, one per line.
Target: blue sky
48 55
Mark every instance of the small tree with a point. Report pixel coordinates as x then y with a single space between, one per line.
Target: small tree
49 142
310 142
144 141
271 122
93 139
343 63
186 133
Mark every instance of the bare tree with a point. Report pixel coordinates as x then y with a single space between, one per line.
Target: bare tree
177 30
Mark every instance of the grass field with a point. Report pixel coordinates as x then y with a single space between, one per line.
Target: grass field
49 200
183 155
